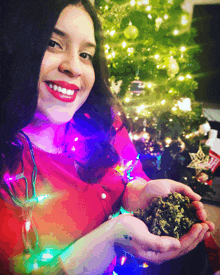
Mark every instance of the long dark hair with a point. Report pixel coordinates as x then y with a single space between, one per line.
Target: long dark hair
27 30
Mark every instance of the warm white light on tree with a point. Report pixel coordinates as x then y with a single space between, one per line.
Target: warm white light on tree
112 32
185 104
168 140
130 50
183 49
184 20
148 8
124 44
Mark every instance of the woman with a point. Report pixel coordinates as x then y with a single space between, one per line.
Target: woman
62 145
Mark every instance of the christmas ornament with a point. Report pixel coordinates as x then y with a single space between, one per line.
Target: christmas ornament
115 86
200 161
205 177
204 128
131 32
137 87
172 66
202 177
214 152
214 162
212 138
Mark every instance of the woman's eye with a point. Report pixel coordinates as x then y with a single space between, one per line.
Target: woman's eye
86 56
53 44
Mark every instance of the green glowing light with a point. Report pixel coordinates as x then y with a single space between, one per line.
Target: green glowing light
47 257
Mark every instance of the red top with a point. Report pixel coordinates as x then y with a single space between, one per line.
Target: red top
73 207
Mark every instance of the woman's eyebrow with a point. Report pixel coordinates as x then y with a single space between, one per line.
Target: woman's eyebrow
89 44
59 32
63 34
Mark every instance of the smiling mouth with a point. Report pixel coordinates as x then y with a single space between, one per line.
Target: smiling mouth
61 93
61 90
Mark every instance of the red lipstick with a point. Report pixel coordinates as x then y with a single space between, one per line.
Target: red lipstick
59 95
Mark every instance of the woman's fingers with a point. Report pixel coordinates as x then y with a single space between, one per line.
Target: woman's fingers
200 211
188 242
194 237
211 225
187 239
202 214
201 236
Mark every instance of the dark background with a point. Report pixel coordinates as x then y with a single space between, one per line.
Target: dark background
206 21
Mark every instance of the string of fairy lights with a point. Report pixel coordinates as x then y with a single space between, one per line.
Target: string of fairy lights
33 257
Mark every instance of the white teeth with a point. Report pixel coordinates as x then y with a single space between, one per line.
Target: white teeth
70 92
64 91
61 90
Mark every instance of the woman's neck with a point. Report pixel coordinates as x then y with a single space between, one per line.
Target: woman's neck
47 136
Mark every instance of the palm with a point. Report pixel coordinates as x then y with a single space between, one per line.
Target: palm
136 239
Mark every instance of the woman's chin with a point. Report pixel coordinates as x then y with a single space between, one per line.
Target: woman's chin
58 119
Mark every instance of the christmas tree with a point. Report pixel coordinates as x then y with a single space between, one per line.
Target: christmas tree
150 51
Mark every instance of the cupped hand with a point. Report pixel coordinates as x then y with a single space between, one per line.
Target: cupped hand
188 242
163 187
133 236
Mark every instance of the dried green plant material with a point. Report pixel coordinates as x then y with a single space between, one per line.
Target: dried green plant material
170 216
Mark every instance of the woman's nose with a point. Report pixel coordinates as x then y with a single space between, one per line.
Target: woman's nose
71 65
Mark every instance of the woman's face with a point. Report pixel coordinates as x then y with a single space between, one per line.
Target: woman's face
67 74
